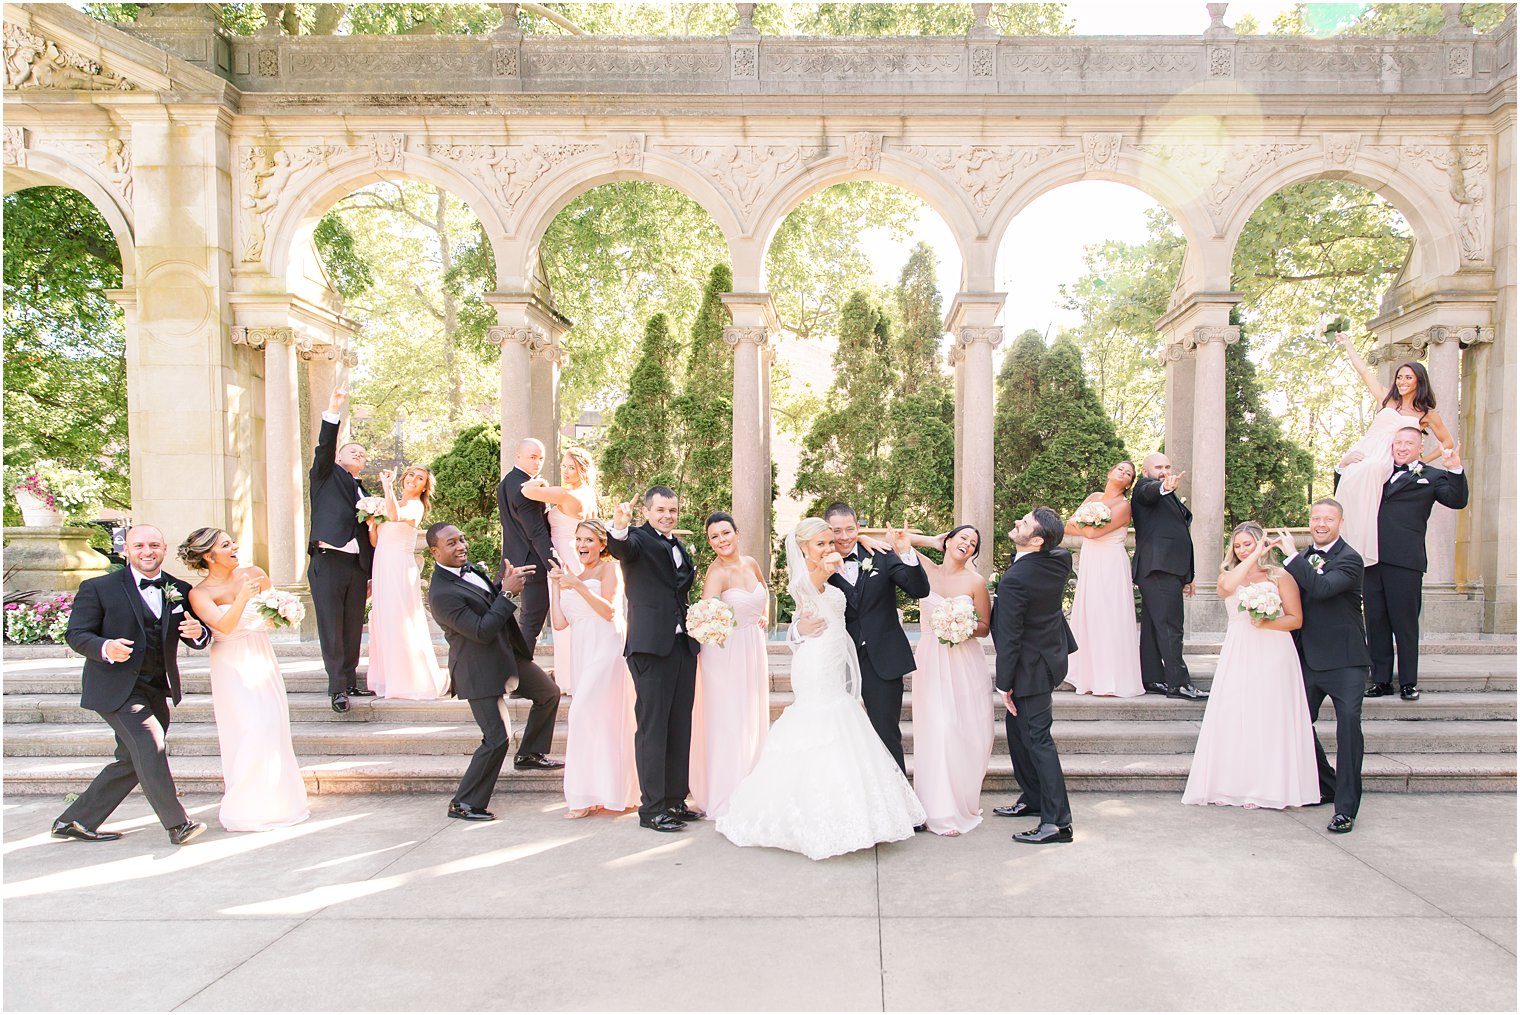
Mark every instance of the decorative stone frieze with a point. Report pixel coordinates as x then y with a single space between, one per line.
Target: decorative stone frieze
505 62
507 171
259 337
1101 151
1219 170
264 175
15 146
34 61
745 172
744 61
1463 172
983 61
1221 61
111 157
982 172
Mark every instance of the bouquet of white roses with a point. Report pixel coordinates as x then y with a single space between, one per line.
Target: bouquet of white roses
1261 600
280 609
1093 515
709 621
370 508
954 620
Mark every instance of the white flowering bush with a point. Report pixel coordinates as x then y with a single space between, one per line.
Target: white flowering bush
59 487
43 621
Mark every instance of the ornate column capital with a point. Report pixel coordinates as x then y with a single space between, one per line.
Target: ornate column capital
309 350
350 358
738 334
1203 334
259 337
555 354
530 338
970 335
1397 352
1465 335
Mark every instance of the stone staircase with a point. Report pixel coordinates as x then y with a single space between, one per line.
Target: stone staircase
1459 737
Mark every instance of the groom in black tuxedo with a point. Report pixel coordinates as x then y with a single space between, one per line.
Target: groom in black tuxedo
1332 649
488 659
658 574
1395 584
525 534
869 581
341 557
128 626
1033 641
1163 569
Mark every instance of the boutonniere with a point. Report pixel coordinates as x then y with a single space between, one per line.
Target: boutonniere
1317 562
173 595
1416 467
868 565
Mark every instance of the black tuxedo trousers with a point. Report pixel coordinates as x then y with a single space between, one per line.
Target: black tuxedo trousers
1393 597
1344 688
140 725
665 690
339 587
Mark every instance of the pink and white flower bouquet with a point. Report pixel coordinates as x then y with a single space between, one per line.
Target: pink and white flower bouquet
370 508
1092 515
710 621
1261 600
954 620
280 609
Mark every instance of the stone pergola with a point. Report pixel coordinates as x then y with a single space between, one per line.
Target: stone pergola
213 156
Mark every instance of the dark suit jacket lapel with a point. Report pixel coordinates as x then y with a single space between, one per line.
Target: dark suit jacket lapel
135 601
857 591
667 566
469 586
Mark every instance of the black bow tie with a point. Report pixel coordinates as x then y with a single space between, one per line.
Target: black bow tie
472 569
157 583
1401 468
853 555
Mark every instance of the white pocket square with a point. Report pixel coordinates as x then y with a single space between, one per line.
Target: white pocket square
1423 482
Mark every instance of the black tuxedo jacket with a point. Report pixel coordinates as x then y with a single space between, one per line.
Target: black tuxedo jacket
111 607
524 523
657 590
1163 541
870 611
484 639
1029 630
1333 635
334 496
1405 511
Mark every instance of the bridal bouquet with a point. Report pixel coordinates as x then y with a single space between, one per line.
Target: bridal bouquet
1261 601
953 621
280 609
1093 515
371 508
709 621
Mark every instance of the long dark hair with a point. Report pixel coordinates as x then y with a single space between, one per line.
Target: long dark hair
1424 397
946 546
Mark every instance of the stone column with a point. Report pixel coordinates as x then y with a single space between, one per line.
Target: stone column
1443 360
543 408
752 323
321 380
1179 409
526 326
971 319
282 452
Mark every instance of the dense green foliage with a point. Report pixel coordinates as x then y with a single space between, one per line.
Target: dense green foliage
704 411
1266 475
65 345
640 447
467 475
1014 441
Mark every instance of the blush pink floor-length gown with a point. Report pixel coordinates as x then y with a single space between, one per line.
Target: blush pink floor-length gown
262 784
1256 746
1107 659
952 726
402 663
599 764
733 709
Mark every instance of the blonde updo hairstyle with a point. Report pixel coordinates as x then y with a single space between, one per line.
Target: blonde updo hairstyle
198 546
807 529
1253 529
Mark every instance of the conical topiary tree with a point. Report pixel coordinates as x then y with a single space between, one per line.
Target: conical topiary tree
639 449
1266 474
1013 435
704 411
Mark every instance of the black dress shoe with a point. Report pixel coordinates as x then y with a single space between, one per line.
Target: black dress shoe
1379 691
1061 833
1188 692
74 830
1341 823
360 692
684 813
340 703
181 834
662 823
536 761
920 828
1159 687
464 812
1409 692
1017 810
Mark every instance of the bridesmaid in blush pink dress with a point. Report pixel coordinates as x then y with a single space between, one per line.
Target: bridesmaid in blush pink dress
1107 663
733 682
262 784
569 504
402 663
585 610
952 692
1256 747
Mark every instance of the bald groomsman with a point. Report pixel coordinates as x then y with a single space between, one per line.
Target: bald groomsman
525 535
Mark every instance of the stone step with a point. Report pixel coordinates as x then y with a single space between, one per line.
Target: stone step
439 775
315 707
1099 736
60 675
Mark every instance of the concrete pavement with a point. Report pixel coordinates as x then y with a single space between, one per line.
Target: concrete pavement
383 903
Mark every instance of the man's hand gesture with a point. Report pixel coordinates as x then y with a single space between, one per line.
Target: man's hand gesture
337 400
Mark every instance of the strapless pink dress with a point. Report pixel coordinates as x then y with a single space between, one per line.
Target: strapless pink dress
599 766
734 711
1360 490
1107 659
262 784
401 659
952 727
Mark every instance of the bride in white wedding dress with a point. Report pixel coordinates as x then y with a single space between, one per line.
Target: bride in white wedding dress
824 784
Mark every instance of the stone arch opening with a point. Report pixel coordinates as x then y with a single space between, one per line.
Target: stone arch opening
67 349
47 169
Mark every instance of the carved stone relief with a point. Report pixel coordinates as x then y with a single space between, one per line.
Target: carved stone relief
507 171
15 146
1340 150
111 155
982 64
744 61
1101 151
265 173
1221 62
1219 170
628 151
32 61
505 63
863 149
744 172
983 171
386 151
1462 170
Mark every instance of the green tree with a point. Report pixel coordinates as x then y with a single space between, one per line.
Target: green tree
920 326
920 469
1381 19
639 452
1013 434
1266 475
65 344
1076 442
705 410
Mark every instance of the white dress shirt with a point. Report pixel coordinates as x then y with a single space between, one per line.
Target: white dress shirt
1316 549
469 576
675 545
152 597
352 546
851 569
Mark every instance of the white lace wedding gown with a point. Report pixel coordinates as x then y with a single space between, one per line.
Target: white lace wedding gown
824 784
